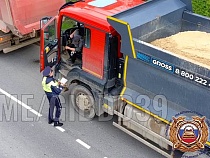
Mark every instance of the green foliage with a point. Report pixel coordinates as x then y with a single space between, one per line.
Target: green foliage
67 23
201 7
71 0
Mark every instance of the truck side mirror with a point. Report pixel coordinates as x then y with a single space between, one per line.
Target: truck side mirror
44 21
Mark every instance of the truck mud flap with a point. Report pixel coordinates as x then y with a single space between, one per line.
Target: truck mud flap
159 150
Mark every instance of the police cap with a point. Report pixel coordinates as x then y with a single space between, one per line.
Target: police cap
47 71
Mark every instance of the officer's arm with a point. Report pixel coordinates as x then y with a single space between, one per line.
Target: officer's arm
57 89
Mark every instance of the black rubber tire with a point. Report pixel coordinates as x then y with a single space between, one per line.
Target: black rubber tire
79 89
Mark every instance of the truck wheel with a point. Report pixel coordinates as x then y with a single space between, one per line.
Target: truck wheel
83 101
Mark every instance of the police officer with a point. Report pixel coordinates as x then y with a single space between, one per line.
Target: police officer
52 89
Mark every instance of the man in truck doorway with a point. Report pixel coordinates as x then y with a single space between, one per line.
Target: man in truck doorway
52 89
75 46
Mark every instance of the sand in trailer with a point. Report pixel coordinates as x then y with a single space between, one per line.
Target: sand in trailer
193 46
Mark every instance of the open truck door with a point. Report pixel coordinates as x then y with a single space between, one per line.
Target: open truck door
48 42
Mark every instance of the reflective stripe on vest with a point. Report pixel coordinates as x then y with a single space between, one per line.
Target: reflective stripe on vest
47 87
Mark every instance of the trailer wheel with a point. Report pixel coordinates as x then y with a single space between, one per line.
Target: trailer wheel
83 101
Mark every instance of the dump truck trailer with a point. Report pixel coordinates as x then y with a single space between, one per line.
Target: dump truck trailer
123 74
19 21
160 72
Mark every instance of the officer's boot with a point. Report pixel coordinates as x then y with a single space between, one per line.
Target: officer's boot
50 121
57 123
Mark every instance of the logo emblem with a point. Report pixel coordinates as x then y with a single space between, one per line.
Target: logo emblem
188 135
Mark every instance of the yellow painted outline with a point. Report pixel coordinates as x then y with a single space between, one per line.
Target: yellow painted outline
117 20
148 112
122 92
129 32
124 75
156 116
131 40
125 70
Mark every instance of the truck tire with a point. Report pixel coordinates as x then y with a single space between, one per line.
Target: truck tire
83 101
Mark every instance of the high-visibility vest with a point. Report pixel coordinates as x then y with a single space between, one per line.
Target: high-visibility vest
47 87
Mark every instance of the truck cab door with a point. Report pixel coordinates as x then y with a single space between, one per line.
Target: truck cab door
48 43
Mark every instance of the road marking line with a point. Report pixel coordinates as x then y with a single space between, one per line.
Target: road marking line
20 102
26 106
35 112
60 129
83 144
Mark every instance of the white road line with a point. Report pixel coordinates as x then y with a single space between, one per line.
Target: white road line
26 106
35 112
20 102
60 129
83 144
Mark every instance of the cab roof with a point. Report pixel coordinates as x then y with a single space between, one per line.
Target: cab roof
95 12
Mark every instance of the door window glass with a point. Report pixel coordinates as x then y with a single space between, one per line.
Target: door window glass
50 33
87 38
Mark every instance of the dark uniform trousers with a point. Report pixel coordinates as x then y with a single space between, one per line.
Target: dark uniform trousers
72 55
54 101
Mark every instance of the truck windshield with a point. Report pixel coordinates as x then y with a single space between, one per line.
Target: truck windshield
70 30
67 23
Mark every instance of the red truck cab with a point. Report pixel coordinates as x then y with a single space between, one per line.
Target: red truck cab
96 31
99 67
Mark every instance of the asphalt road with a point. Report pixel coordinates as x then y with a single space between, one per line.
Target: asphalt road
24 134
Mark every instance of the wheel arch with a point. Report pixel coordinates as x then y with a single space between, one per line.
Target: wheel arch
93 84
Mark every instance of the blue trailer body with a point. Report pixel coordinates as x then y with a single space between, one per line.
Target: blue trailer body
151 71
